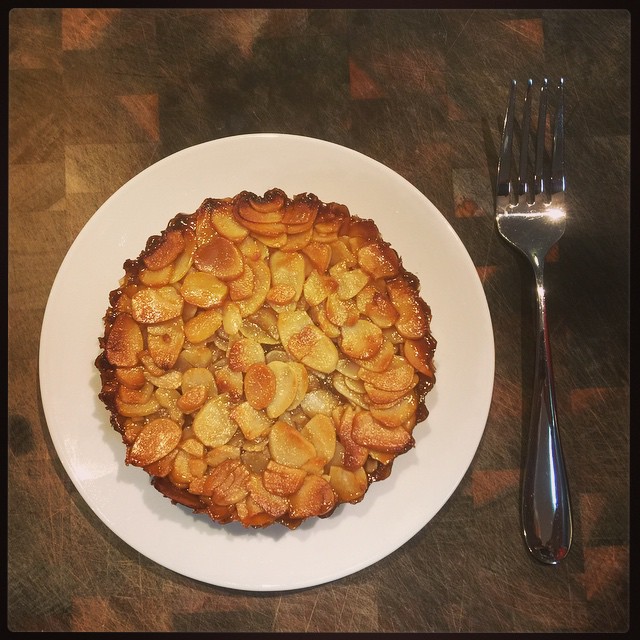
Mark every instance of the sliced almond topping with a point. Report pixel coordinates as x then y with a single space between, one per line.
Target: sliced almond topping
169 248
361 340
164 343
286 388
275 506
349 486
212 425
419 354
282 480
379 260
132 377
124 342
413 321
253 423
228 483
220 257
397 377
314 498
243 353
319 254
156 439
204 289
398 413
203 325
259 386
156 305
320 431
370 433
288 446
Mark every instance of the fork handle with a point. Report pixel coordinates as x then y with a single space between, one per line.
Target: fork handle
546 509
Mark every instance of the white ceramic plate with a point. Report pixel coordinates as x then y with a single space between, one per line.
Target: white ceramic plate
393 510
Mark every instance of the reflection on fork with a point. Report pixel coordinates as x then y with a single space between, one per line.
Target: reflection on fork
530 214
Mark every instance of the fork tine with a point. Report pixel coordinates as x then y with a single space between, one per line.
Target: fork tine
523 170
503 182
542 121
557 158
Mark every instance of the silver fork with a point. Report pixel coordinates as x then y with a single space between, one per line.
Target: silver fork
530 214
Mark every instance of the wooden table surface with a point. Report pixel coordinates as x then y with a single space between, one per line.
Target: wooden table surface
422 92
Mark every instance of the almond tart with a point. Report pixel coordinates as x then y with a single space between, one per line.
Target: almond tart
266 358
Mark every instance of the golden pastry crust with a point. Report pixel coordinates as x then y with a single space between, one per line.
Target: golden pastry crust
266 359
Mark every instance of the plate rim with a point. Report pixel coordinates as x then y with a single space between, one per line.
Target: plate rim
175 157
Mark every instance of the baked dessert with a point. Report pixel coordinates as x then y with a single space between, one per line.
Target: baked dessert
266 358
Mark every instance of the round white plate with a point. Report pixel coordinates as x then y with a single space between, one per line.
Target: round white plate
393 510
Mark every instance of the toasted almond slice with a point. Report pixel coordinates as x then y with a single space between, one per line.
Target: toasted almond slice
229 382
150 305
259 207
361 340
301 210
259 386
286 388
379 260
297 239
314 498
203 325
245 352
323 356
130 410
355 455
349 486
302 383
398 376
287 269
165 252
281 294
204 229
275 506
213 425
231 319
387 398
192 399
183 262
288 446
300 344
136 396
371 434
253 423
419 354
319 254
398 413
132 377
199 377
195 355
319 430
363 229
381 361
164 342
262 283
156 439
318 286
341 312
224 223
242 287
215 456
319 317
350 283
158 278
192 446
290 323
124 342
220 257
340 385
342 254
264 230
413 320
282 480
203 289
228 483
169 380
319 401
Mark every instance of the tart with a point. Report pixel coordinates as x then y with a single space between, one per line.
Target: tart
266 358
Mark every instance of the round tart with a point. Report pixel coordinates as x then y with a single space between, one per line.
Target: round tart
266 358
